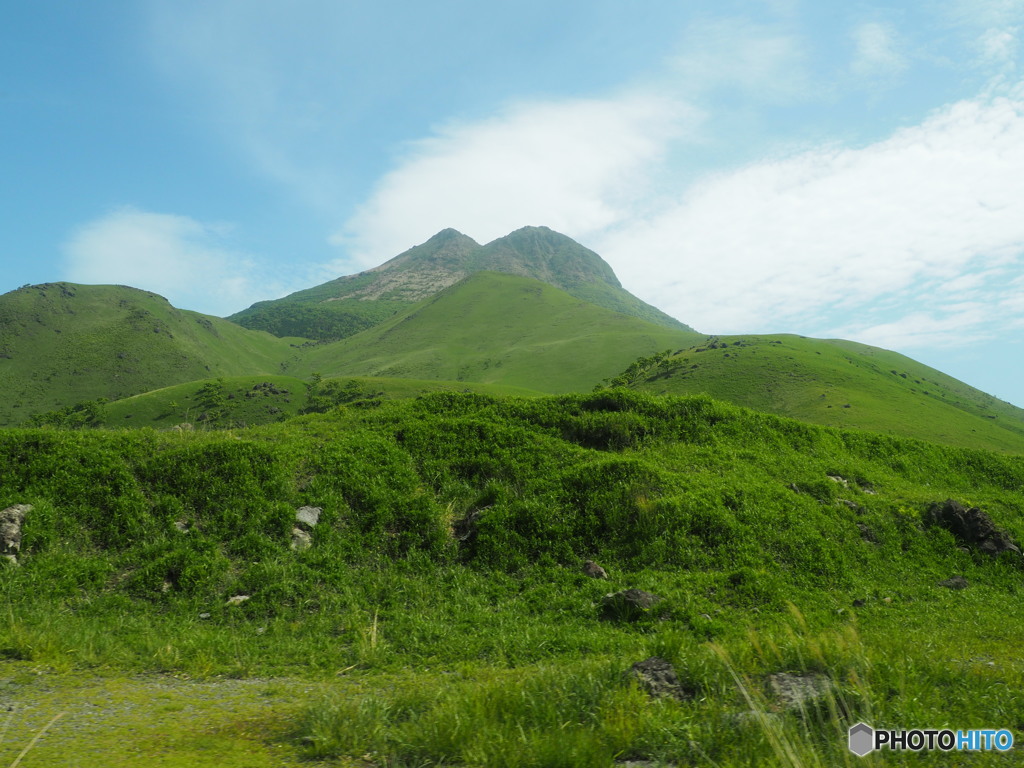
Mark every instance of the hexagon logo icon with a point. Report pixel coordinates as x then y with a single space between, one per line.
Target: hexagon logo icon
862 739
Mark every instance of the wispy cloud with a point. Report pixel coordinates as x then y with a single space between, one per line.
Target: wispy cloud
763 62
186 261
877 53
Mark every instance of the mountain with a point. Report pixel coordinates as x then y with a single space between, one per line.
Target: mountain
347 305
62 343
496 328
451 314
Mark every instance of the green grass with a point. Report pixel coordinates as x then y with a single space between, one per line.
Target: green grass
426 640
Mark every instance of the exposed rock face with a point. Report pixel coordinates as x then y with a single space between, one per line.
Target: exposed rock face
594 571
658 677
627 605
971 526
11 520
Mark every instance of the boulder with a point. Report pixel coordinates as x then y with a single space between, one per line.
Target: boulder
308 517
972 526
658 678
627 605
11 520
594 571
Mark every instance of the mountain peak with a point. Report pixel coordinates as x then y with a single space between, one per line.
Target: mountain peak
352 303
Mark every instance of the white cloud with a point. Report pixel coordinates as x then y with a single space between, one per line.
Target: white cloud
877 53
184 260
839 239
576 166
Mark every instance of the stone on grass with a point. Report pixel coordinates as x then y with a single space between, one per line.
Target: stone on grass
792 691
308 517
594 571
11 520
658 678
954 582
627 605
301 540
237 599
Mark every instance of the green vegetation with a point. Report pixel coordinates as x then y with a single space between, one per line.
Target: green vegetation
441 616
498 329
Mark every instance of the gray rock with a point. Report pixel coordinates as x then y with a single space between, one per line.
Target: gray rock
792 691
627 605
658 678
954 582
181 526
11 520
594 571
308 517
301 540
237 599
839 479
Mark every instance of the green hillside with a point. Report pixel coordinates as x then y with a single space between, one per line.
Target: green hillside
347 305
841 384
245 401
436 611
62 343
496 328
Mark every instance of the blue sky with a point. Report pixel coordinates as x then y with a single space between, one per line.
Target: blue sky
849 170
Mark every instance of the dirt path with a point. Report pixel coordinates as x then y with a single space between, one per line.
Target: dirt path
115 720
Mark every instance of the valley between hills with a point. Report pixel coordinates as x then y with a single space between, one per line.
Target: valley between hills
480 506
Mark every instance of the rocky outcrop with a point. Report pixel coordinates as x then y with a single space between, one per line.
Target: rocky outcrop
11 520
971 526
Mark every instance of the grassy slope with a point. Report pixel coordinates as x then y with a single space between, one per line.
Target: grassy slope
183 403
443 650
62 343
498 329
842 384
